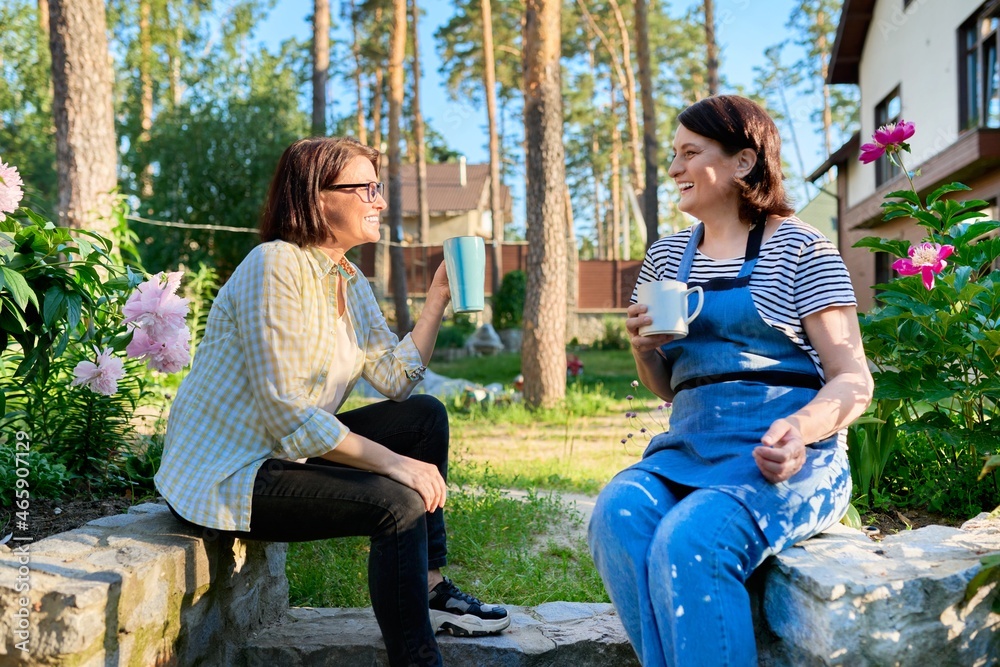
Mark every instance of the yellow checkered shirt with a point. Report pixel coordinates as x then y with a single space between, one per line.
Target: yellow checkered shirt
254 387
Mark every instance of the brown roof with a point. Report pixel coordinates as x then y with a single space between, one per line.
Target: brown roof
446 194
855 18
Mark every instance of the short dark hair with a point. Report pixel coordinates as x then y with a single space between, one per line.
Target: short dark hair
737 123
292 211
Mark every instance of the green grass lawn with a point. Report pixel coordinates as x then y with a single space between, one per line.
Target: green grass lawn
499 548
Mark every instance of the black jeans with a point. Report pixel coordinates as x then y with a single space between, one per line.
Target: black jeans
298 502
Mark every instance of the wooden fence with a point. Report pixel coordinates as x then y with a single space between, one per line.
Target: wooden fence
601 284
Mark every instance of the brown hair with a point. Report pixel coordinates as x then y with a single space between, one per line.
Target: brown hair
737 123
292 212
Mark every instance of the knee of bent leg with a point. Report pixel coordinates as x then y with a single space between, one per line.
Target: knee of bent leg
429 406
623 508
407 508
700 537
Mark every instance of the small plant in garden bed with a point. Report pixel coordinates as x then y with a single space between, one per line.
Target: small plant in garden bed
647 423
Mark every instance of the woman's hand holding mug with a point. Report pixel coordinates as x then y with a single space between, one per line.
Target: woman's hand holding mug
637 319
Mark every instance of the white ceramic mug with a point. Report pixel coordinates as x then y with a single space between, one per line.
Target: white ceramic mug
667 304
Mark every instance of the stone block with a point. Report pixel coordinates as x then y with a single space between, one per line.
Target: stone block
842 599
138 589
560 633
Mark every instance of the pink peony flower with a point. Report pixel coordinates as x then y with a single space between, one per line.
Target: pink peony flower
168 355
891 137
101 376
871 152
894 133
10 188
155 307
170 359
926 259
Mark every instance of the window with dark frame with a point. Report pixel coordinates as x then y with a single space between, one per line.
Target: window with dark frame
883 273
979 69
887 111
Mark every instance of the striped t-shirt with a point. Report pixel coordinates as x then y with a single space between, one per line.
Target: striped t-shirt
800 272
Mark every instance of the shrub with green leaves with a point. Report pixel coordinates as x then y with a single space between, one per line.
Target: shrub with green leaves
508 303
933 337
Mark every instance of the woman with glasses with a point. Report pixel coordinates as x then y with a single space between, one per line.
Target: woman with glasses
255 445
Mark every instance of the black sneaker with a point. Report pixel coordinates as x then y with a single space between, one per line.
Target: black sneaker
463 615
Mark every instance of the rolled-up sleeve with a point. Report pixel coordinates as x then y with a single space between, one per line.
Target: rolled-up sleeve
392 366
278 348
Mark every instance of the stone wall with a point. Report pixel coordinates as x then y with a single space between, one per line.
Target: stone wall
137 589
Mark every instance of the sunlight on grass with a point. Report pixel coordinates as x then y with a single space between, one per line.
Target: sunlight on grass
515 551
495 551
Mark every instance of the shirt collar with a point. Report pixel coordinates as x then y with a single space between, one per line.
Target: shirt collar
323 265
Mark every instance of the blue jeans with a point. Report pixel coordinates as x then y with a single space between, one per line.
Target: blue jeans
675 561
317 500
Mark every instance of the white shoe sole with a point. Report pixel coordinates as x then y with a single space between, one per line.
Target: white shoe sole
466 625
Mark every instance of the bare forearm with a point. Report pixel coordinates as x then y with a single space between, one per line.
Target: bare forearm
653 373
425 331
359 452
842 400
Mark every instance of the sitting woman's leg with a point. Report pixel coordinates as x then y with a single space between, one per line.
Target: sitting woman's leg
625 518
295 502
700 558
418 428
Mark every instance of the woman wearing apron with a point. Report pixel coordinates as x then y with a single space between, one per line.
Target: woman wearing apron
770 374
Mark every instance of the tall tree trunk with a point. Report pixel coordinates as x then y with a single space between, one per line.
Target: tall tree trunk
649 146
146 86
176 87
423 207
359 112
824 60
572 258
490 85
626 79
711 49
544 352
82 79
43 17
595 149
628 92
397 52
616 180
377 108
321 64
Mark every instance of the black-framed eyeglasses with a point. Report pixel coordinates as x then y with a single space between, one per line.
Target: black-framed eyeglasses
372 189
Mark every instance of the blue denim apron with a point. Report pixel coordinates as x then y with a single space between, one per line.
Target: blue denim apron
734 374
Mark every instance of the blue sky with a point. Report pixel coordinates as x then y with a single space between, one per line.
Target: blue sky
744 28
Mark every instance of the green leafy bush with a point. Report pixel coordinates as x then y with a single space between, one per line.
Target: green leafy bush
934 337
450 337
508 303
615 337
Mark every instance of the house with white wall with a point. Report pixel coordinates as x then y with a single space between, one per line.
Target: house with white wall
932 62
